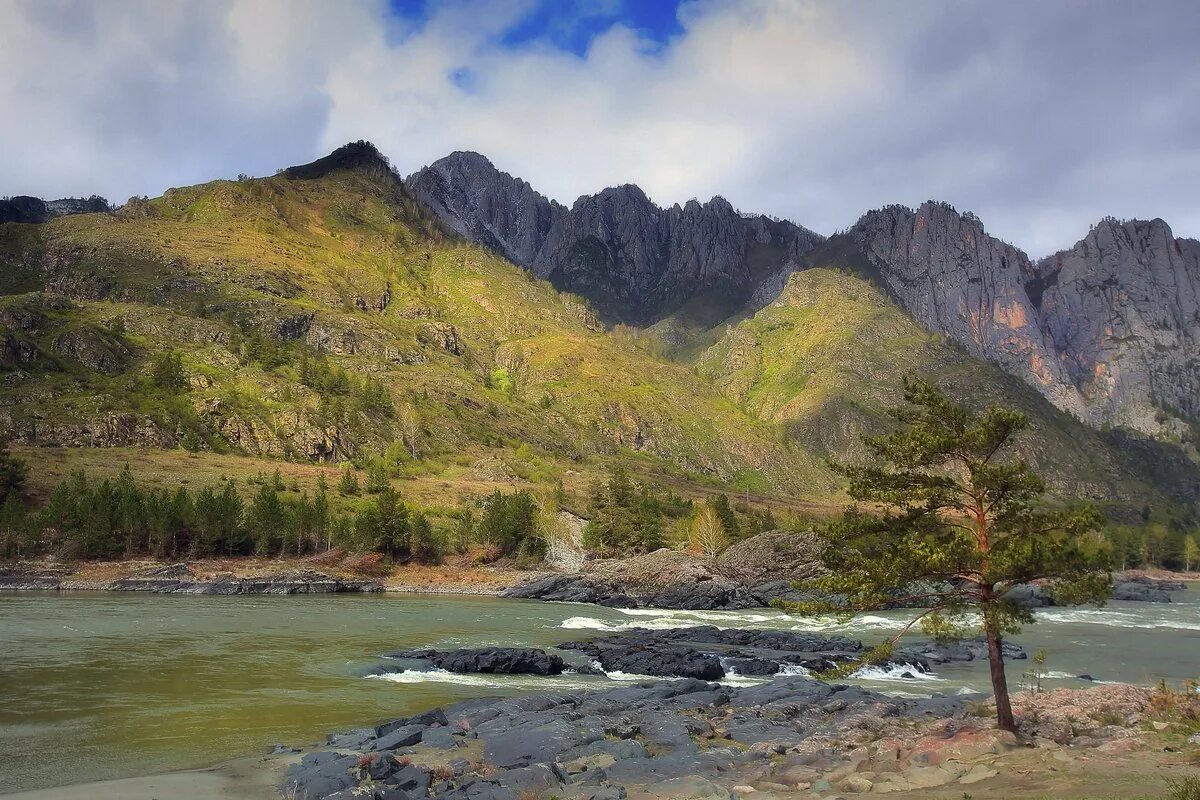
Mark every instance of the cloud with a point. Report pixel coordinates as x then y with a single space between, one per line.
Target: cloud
1040 117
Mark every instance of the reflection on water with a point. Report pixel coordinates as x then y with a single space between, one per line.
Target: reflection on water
116 684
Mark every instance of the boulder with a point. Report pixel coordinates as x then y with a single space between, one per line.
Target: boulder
1144 590
772 557
493 660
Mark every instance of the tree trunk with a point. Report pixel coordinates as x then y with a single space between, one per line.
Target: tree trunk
1004 713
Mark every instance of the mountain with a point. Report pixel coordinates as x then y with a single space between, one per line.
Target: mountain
1122 311
35 210
826 361
1108 330
632 260
323 314
487 206
335 311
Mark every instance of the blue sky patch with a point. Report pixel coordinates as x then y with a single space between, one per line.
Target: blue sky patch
571 25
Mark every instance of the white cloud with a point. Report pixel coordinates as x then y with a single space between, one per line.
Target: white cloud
1039 117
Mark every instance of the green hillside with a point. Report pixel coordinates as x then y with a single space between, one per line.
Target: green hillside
321 315
826 360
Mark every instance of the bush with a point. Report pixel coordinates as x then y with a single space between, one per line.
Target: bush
166 372
509 522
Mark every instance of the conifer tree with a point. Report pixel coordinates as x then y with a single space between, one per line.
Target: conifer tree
960 525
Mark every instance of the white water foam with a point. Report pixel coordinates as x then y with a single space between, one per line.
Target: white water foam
1189 619
661 619
895 672
794 669
566 680
617 675
706 617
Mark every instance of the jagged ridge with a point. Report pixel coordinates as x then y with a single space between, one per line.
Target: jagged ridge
632 259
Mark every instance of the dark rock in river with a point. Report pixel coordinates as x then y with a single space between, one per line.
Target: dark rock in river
495 660
966 650
709 653
1145 590
1131 589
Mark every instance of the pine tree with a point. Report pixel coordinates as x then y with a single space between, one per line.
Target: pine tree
378 476
12 473
348 483
960 525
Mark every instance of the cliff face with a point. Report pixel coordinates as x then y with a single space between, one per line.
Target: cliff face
633 260
1122 310
487 206
1107 330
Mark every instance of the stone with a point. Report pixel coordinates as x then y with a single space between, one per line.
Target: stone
320 774
405 736
977 773
856 784
491 660
684 788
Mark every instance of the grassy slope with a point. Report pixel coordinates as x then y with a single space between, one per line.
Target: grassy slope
826 358
203 269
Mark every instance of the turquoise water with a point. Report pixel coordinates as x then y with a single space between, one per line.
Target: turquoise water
102 685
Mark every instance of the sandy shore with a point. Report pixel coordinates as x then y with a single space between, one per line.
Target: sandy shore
244 779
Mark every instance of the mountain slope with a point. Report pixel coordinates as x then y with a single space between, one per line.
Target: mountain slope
323 314
1109 330
634 261
826 360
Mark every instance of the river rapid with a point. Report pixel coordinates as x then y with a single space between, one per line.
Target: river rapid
97 685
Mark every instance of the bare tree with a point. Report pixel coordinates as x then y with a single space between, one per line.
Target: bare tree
410 427
707 536
563 534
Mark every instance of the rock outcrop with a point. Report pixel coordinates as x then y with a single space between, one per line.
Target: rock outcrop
487 206
1121 309
36 211
1108 330
179 579
632 259
669 740
750 574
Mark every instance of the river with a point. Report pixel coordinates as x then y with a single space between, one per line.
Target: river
97 685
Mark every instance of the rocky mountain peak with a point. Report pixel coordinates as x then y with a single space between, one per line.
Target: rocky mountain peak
361 155
634 260
1122 309
1107 330
485 205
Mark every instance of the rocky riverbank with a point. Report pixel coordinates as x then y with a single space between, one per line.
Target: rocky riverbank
750 574
251 575
180 579
695 740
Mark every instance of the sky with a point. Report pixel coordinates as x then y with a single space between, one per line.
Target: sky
1040 116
